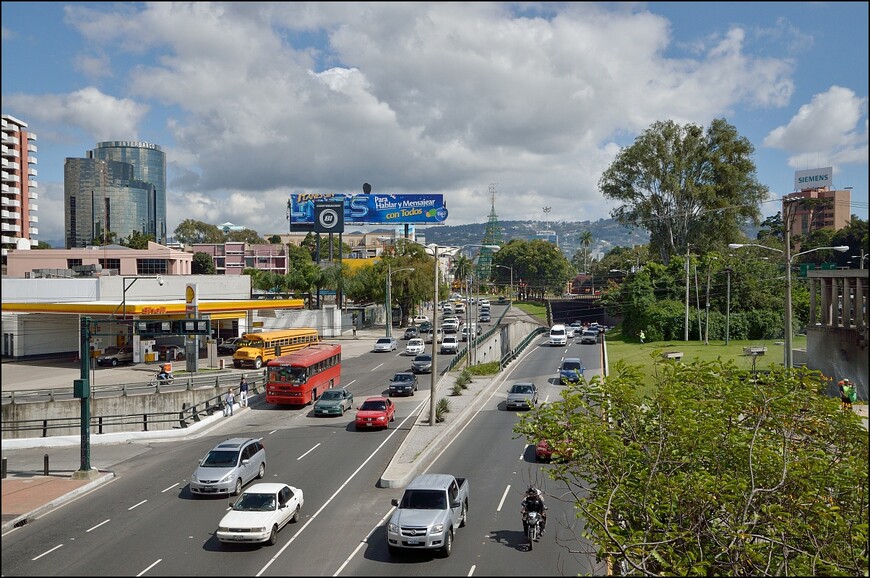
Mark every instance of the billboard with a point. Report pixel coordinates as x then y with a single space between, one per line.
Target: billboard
813 178
370 209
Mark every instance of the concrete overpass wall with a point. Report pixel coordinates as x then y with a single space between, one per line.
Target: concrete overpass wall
838 353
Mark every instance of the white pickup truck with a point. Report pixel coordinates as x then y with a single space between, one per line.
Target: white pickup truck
427 516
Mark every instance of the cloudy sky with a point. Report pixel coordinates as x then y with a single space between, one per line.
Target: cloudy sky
254 101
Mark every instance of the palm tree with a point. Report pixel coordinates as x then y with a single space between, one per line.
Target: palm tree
462 267
585 240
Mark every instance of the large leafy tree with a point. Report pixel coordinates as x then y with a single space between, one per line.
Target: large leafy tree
202 264
685 186
712 473
190 231
246 236
539 266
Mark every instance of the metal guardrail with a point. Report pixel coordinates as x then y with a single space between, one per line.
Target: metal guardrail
181 383
515 352
154 420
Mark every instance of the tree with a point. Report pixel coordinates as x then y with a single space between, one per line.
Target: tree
539 266
712 473
585 241
138 240
246 236
190 232
685 186
42 245
202 264
275 239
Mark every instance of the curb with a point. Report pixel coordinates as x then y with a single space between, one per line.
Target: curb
106 476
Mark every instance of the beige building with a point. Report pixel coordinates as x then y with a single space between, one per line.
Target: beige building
96 261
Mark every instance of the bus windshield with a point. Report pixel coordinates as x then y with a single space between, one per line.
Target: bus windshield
296 375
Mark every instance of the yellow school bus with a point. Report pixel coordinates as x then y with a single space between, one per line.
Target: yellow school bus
257 349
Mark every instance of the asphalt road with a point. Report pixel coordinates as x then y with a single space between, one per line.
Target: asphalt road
146 522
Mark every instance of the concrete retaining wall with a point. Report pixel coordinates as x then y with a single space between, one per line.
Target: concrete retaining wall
838 353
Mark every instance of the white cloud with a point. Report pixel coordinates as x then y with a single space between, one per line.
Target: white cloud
264 99
832 128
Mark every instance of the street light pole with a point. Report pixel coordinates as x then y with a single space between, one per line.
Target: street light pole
512 281
788 360
434 376
728 308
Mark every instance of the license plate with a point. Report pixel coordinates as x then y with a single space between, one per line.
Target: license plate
238 537
413 541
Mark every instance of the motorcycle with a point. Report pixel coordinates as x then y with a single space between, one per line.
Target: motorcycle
162 378
533 521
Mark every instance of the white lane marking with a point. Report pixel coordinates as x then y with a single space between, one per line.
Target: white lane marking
169 488
136 505
159 560
98 525
273 431
349 384
377 366
308 452
503 498
365 540
471 570
45 553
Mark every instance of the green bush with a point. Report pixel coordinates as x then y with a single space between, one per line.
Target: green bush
457 389
490 368
441 408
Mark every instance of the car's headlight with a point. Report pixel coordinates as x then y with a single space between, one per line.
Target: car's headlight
437 528
394 528
381 418
260 529
227 477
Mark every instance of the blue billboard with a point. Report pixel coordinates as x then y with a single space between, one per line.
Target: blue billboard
371 209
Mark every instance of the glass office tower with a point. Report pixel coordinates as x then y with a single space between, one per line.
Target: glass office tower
120 188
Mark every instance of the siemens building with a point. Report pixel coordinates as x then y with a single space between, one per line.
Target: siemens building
119 189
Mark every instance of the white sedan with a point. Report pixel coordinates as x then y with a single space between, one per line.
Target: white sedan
415 346
259 513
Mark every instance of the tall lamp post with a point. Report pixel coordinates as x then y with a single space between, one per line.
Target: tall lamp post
512 280
789 359
390 272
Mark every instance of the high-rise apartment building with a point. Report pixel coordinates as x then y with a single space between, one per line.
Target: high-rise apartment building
120 188
19 220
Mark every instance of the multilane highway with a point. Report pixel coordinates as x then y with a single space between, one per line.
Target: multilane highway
145 522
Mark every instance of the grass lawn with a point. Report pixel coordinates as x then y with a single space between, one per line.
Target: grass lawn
630 350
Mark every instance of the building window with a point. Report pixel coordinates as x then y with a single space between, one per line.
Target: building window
110 264
72 263
151 266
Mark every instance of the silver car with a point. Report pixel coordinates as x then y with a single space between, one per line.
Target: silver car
522 396
228 466
385 344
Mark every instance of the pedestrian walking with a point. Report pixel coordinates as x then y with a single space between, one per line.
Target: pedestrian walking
847 393
243 392
642 336
229 400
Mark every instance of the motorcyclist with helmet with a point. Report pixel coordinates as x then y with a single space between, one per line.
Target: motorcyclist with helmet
164 375
533 501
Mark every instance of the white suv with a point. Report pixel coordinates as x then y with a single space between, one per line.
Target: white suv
450 344
558 335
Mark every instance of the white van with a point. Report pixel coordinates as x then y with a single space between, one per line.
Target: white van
558 335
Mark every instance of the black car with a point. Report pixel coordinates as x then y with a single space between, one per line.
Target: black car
422 363
403 383
484 318
411 333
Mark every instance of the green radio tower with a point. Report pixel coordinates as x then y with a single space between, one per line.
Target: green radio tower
492 236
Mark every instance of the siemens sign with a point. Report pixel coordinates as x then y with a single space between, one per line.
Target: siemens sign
813 178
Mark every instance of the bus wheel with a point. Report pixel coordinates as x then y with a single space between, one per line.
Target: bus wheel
258 363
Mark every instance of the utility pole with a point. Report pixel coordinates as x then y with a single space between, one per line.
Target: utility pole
728 309
686 322
82 390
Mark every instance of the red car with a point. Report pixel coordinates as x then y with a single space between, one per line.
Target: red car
544 453
375 412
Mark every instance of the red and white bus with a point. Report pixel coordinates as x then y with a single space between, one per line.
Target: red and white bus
300 377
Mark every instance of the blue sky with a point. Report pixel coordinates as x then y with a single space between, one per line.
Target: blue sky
254 101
